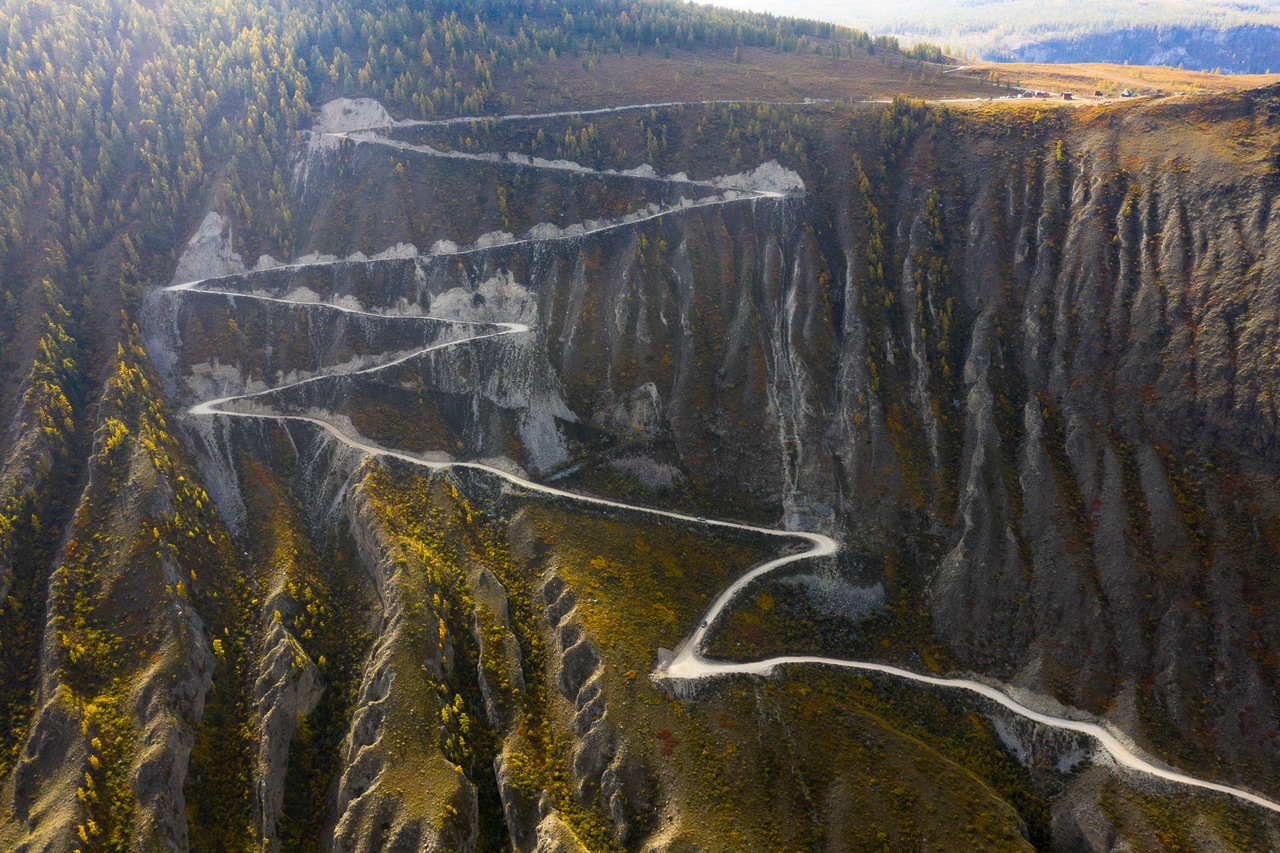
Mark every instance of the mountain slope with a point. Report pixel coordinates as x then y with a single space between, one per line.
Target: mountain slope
1014 360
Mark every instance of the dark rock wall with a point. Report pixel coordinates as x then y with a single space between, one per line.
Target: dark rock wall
1034 353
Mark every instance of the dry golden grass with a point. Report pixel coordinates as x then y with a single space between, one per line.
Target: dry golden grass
763 75
1084 79
747 757
760 75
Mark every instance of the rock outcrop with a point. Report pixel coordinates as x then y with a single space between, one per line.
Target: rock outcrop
606 776
287 689
1027 364
434 809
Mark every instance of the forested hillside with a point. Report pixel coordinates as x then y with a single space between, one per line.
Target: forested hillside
121 120
390 390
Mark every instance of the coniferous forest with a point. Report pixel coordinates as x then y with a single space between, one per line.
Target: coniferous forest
579 425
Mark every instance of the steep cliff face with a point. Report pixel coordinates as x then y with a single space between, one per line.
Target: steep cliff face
124 663
1022 363
1034 354
1116 424
283 568
1031 353
380 803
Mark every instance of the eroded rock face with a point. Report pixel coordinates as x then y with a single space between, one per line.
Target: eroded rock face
605 774
1053 395
1077 413
50 767
498 698
1109 324
168 704
286 690
554 835
438 814
209 252
49 798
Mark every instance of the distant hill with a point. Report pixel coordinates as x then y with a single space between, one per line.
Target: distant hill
1250 49
1234 37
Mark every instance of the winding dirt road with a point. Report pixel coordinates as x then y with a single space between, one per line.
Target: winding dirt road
688 662
597 111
